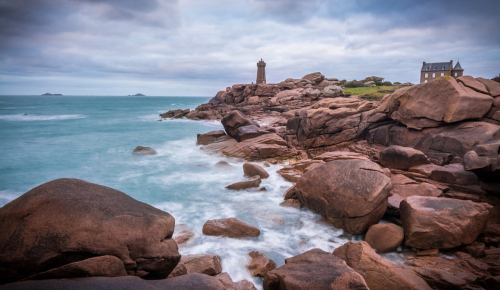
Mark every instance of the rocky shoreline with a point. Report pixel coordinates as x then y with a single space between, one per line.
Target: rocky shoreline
425 160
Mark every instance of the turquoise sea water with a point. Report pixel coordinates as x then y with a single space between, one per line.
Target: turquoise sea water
92 138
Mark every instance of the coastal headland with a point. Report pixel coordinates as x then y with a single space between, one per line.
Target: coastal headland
419 168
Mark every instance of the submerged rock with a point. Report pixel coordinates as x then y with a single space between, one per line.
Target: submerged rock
69 220
141 150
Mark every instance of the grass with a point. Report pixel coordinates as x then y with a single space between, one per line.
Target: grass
371 93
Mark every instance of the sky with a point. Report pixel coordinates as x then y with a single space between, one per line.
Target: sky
199 47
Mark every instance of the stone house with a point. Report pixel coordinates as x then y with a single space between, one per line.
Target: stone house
438 69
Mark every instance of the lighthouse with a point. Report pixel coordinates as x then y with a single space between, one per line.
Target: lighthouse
261 72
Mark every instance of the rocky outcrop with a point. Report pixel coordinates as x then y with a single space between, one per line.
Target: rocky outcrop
203 264
250 169
384 237
260 264
484 161
229 227
350 194
175 114
442 223
233 121
67 222
378 273
314 269
253 181
442 100
141 150
399 157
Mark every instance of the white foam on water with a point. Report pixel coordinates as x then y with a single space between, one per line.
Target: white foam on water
27 117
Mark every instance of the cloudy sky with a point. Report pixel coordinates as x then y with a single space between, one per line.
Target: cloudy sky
198 47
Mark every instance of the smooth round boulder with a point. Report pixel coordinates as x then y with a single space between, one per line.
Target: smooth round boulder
250 169
350 194
229 227
385 237
399 157
69 220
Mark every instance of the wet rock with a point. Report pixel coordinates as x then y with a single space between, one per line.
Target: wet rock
141 150
350 194
384 237
250 169
186 282
442 223
253 181
399 157
314 269
378 273
291 203
203 264
223 164
209 137
442 100
260 264
228 283
69 220
175 114
428 253
229 227
183 236
290 193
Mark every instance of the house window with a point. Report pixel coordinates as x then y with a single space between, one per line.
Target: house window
426 75
442 74
425 80
433 75
456 74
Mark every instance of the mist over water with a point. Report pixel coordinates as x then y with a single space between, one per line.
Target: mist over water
92 138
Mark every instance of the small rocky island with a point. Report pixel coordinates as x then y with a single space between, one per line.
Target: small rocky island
419 168
137 95
49 94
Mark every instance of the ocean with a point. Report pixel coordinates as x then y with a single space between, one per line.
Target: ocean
43 138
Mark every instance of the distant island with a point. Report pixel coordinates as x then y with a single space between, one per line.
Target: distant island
137 95
49 94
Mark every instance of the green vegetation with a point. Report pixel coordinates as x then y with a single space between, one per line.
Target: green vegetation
371 93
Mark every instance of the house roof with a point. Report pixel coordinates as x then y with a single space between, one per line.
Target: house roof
436 66
458 66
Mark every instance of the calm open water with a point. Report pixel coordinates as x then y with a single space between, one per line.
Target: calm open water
92 138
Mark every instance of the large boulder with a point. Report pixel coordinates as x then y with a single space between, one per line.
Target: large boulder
350 194
385 237
378 273
442 223
185 282
249 132
314 269
442 100
492 86
250 169
229 227
399 157
235 120
315 78
333 92
484 161
69 220
455 174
